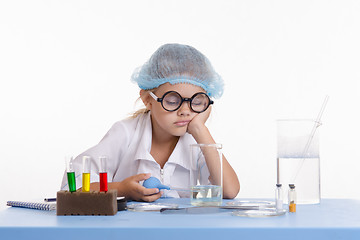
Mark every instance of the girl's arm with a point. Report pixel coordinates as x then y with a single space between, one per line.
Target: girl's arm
201 133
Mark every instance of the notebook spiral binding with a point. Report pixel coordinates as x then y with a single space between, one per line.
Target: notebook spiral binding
32 205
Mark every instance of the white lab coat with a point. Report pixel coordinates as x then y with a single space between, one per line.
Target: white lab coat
127 145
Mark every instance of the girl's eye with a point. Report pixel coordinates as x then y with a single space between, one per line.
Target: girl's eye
199 100
172 102
197 103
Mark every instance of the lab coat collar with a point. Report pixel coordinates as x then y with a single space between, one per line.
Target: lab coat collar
180 154
145 135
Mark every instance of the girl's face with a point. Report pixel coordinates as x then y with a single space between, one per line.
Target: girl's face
174 123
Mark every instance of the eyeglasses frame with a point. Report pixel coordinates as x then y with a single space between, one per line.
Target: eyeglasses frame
160 100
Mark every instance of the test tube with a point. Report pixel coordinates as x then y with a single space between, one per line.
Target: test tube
70 174
292 198
103 174
279 197
86 174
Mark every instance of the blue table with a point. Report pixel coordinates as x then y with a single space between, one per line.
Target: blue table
332 219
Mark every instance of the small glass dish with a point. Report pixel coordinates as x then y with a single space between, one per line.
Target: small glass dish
150 207
265 212
251 203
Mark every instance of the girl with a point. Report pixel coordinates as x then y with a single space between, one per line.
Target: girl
176 85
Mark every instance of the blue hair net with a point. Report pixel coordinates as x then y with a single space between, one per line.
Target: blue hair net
176 63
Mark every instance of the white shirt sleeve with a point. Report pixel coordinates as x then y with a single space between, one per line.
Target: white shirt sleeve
113 145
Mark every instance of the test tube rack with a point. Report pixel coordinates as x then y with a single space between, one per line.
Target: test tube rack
86 203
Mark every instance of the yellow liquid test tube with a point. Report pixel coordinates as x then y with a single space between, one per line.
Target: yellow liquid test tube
86 182
86 174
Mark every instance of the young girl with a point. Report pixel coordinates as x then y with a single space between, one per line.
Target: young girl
176 85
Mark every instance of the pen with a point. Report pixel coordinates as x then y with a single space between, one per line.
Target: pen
50 199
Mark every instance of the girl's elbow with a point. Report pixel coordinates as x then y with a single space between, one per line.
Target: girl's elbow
232 193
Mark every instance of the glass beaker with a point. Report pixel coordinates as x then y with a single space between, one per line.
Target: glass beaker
298 160
206 175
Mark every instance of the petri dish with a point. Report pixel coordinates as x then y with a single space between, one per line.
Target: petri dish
261 213
150 207
251 203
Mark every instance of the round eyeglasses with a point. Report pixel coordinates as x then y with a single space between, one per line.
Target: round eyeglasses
171 101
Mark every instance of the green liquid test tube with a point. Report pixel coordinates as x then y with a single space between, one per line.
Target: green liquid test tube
70 173
71 181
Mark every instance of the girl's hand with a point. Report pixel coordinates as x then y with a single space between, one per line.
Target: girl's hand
131 189
197 124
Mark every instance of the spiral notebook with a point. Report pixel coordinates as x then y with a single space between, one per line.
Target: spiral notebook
33 205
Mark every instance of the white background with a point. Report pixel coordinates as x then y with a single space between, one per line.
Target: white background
65 70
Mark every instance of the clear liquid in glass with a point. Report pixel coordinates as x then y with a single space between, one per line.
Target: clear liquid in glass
306 180
206 195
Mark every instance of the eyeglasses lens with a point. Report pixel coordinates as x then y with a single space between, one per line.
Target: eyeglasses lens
171 101
200 102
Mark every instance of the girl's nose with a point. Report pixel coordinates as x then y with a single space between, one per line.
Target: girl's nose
184 109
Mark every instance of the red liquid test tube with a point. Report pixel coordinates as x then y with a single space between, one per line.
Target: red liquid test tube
103 174
103 182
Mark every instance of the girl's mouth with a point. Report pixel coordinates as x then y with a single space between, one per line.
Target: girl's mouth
182 123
